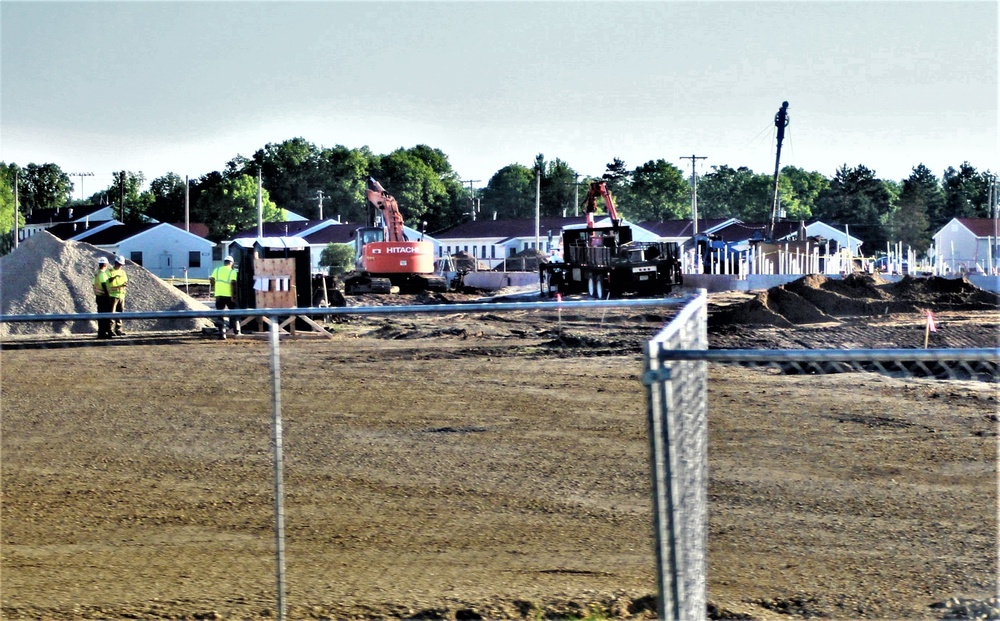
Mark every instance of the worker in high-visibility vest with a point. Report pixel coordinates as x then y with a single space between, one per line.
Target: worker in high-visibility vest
117 281
223 283
103 298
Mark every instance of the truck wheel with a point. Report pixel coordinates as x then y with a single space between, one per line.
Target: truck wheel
545 281
592 285
599 287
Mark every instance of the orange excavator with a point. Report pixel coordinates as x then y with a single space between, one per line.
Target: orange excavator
387 260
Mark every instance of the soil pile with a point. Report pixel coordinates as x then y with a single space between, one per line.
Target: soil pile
524 261
46 275
816 299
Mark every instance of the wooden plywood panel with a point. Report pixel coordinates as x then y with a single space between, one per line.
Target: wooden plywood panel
274 283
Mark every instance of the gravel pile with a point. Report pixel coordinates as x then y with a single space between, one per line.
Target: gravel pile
961 608
46 275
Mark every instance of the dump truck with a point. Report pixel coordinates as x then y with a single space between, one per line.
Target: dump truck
604 261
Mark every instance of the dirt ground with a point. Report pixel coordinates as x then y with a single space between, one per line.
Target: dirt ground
485 466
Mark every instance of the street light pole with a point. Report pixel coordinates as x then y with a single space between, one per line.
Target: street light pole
81 176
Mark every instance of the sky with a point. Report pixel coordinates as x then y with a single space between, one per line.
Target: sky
184 87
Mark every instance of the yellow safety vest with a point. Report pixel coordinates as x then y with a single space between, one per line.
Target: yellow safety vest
224 277
100 278
117 279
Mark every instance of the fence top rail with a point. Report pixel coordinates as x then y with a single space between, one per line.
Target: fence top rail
361 310
765 356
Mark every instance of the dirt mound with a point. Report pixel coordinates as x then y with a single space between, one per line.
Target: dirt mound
46 275
525 261
465 262
818 299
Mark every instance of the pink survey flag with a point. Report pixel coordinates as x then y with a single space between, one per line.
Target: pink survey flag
931 325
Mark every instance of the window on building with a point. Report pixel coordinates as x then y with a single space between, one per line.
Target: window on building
216 253
482 253
493 252
194 259
136 256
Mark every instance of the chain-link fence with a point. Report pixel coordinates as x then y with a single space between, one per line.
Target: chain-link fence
676 379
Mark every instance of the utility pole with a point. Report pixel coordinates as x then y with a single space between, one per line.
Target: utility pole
694 187
473 203
81 176
121 194
187 204
260 203
781 122
994 203
576 195
17 209
538 205
319 194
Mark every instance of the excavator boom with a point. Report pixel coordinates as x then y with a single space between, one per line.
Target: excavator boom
392 220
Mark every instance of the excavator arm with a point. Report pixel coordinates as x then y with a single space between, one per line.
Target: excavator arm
392 220
600 189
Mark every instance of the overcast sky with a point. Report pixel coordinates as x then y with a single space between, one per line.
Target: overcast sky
184 87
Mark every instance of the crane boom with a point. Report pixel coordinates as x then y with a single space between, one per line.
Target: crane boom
600 188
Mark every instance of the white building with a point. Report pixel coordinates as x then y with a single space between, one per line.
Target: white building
967 245
164 249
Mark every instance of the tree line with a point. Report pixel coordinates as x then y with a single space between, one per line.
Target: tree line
300 177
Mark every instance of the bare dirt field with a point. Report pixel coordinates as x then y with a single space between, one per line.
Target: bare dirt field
488 466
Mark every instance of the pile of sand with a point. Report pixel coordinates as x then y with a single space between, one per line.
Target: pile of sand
45 275
817 299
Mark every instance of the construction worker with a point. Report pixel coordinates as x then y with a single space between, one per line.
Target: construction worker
223 283
103 296
117 281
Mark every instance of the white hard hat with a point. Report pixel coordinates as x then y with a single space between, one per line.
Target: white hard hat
228 259
102 261
120 260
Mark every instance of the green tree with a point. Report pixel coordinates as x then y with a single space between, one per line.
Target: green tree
345 175
292 173
125 193
799 195
43 187
168 196
558 189
510 193
735 193
658 191
338 258
859 199
965 195
228 205
7 212
419 190
448 208
920 195
617 177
